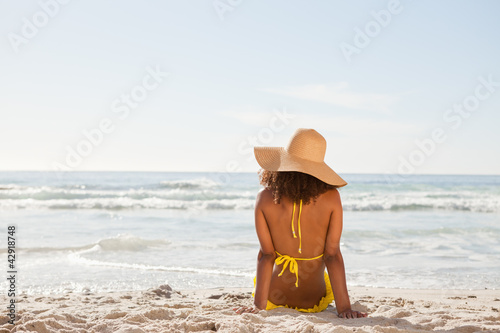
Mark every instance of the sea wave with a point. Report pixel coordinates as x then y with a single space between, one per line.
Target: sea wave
204 194
126 203
126 242
198 183
486 205
121 242
412 201
404 235
77 258
48 193
130 243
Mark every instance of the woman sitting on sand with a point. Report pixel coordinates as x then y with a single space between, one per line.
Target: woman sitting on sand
298 219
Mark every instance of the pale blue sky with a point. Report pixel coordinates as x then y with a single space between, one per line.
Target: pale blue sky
228 78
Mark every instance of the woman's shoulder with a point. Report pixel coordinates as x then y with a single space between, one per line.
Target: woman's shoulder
264 197
265 194
331 197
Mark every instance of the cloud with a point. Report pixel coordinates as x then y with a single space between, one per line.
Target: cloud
257 116
346 125
339 94
361 126
249 115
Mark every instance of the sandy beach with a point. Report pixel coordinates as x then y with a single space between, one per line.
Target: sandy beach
167 310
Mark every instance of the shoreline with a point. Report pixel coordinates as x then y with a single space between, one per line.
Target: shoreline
162 309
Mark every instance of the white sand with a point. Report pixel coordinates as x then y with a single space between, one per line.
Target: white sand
162 310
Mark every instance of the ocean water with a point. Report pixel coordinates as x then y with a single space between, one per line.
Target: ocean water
104 231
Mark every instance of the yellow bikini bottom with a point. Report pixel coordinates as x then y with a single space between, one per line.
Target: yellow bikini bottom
322 305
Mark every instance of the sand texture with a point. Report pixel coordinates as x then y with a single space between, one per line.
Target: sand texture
167 310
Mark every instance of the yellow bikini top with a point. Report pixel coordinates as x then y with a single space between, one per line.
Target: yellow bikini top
298 222
286 260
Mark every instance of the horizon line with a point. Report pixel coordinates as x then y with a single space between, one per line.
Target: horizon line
251 172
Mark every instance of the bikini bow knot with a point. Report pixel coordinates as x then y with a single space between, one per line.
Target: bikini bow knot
286 260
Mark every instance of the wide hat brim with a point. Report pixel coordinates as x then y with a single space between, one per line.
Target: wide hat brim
278 159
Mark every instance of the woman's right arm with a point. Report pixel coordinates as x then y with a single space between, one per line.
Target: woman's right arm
335 263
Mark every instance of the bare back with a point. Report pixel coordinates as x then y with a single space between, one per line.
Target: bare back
316 218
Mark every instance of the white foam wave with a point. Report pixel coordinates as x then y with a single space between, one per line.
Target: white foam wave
77 198
198 183
203 194
464 201
79 259
47 193
7 187
121 242
125 203
50 249
382 203
126 242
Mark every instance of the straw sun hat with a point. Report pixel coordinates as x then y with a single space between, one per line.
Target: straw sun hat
305 153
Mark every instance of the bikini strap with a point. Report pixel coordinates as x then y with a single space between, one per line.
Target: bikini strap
300 235
293 216
293 228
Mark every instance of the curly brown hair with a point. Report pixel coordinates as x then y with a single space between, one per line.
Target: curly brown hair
293 185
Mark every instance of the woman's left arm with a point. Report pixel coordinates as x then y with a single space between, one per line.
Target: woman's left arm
265 260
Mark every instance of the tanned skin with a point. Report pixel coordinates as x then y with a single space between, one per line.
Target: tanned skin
321 226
